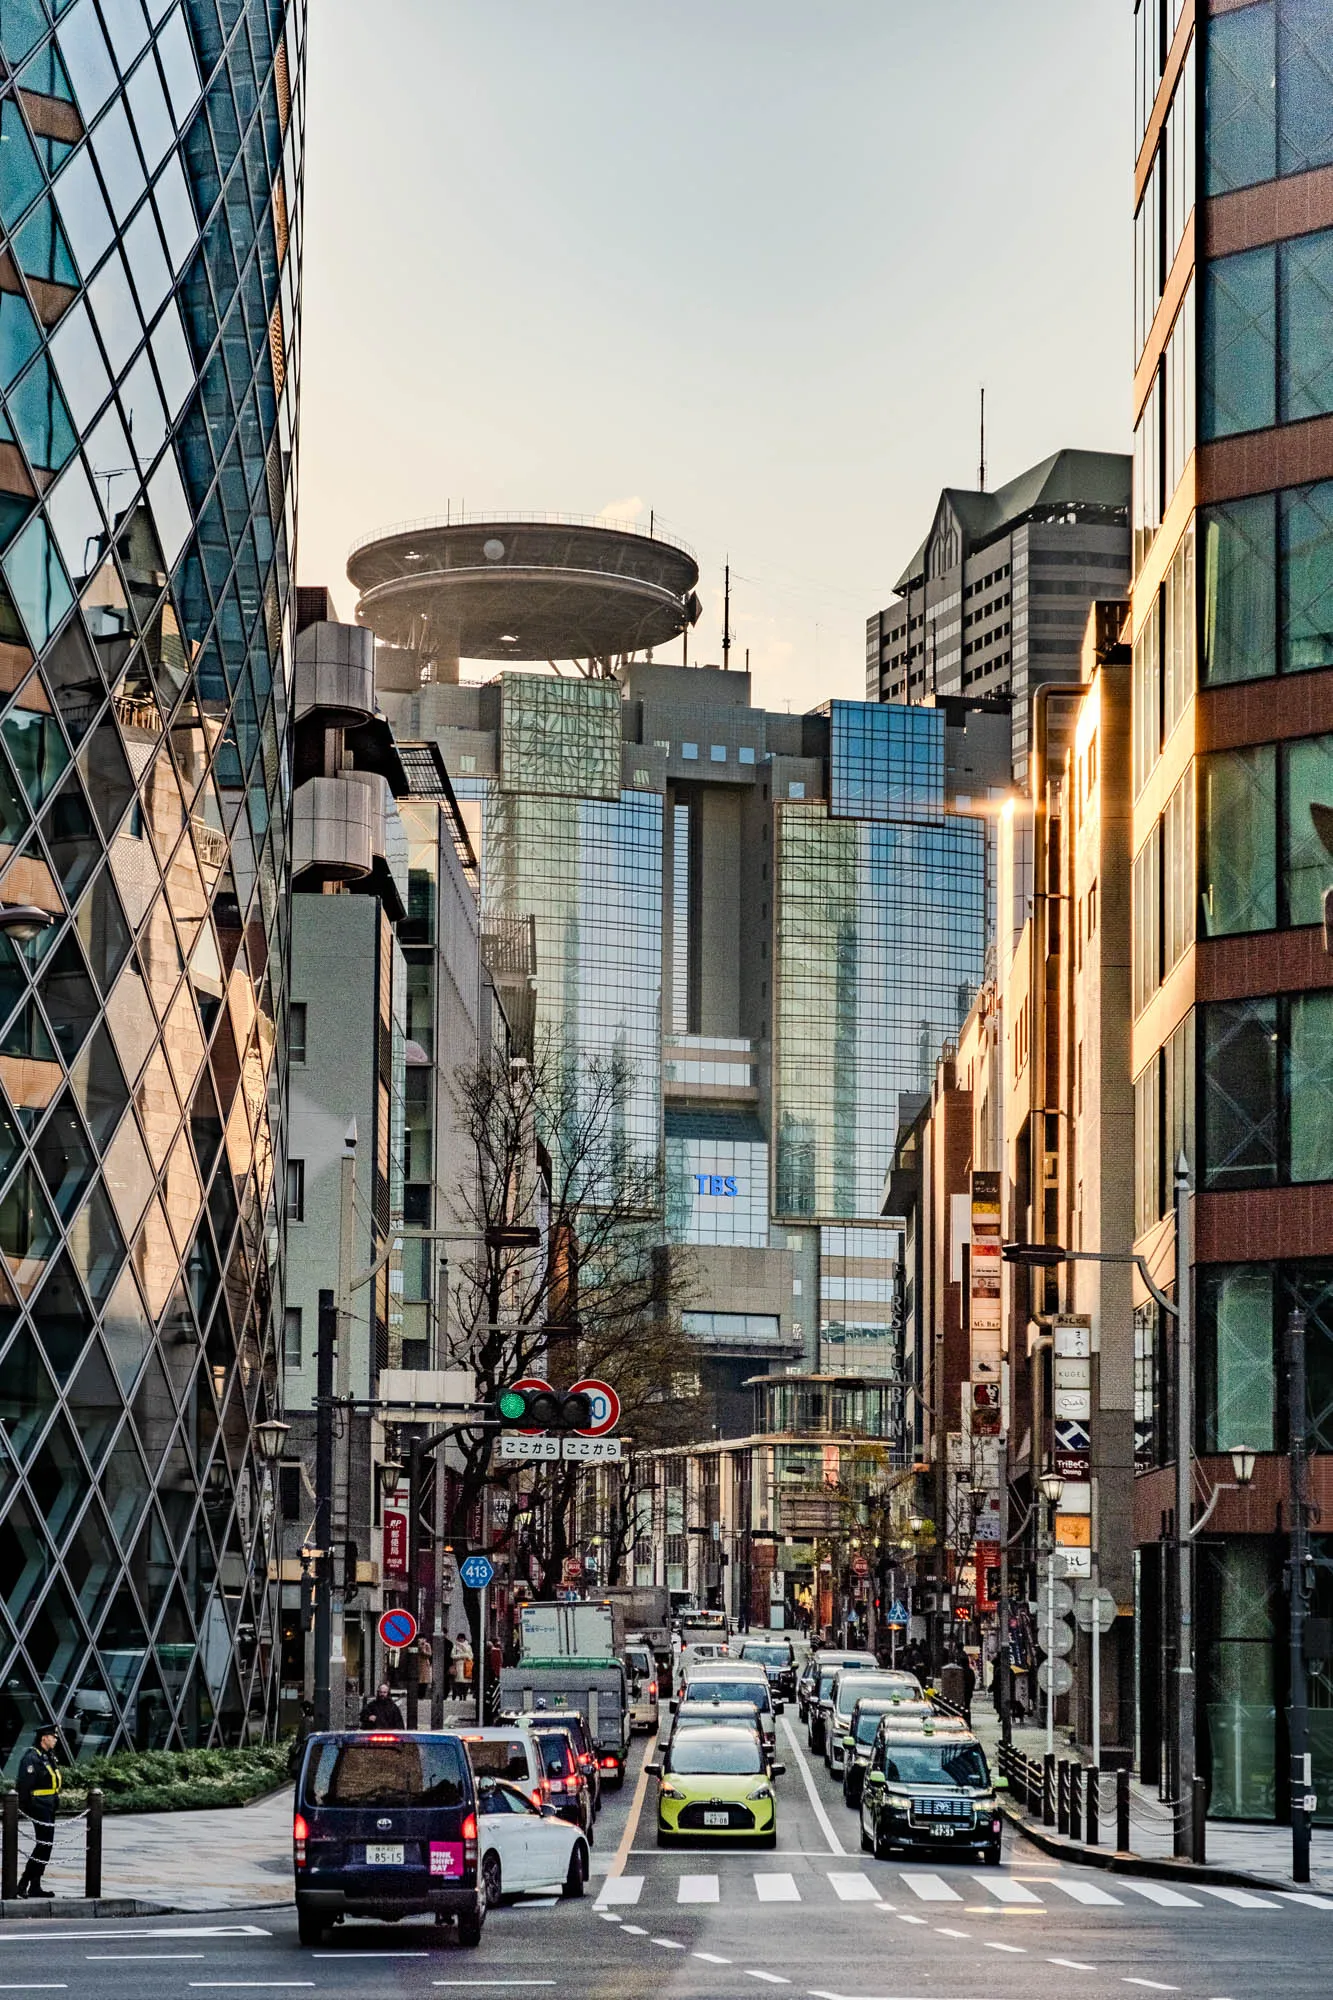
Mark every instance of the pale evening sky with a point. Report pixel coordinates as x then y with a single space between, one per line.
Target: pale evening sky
745 262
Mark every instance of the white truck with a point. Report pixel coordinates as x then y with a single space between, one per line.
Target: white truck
582 1631
570 1659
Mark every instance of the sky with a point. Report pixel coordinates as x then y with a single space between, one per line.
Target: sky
745 263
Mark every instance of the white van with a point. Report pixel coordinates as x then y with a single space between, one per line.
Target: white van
509 1753
641 1673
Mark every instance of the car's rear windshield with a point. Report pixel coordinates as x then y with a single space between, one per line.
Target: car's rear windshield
871 1687
499 1760
557 1752
867 1722
827 1675
403 1772
935 1764
769 1656
707 1751
755 1692
639 1660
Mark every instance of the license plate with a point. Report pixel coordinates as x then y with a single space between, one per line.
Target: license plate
717 1819
941 1832
381 1856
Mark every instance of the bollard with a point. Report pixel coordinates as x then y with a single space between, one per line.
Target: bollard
92 1852
1062 1796
1199 1816
9 1848
1092 1811
1076 1802
1122 1812
1048 1789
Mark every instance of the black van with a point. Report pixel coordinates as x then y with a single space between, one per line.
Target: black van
386 1826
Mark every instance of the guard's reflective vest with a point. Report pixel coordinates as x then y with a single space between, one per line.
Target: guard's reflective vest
38 1784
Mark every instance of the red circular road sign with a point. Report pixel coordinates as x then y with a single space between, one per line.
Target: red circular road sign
531 1382
605 1406
397 1628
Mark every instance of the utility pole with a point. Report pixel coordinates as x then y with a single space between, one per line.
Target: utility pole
323 1527
1185 1691
1002 1650
1298 1582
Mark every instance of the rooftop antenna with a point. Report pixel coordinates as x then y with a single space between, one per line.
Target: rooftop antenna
726 616
981 475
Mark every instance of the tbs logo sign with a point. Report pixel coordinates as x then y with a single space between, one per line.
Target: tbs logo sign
715 1184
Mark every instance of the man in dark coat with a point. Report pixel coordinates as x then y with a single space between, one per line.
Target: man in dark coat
38 1784
381 1711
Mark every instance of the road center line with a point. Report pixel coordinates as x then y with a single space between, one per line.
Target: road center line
825 1823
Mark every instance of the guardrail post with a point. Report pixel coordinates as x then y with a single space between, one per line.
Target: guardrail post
1092 1810
1048 1789
1122 1812
1199 1814
1062 1796
92 1852
1076 1802
9 1847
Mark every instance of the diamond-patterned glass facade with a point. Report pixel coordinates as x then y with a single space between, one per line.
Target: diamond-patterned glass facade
150 237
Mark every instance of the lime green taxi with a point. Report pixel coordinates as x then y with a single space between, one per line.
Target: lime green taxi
715 1784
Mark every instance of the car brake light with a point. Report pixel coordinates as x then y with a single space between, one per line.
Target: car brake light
610 1764
300 1835
470 1841
652 1690
383 1739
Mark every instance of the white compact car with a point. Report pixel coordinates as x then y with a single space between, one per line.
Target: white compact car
522 1849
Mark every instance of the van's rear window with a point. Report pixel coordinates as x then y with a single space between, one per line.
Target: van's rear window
405 1773
557 1751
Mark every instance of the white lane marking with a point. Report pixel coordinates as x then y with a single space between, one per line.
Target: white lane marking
169 1957
1299 1896
366 1954
667 1944
697 1889
944 1931
46 1986
235 1985
857 1888
1005 1889
636 1930
903 1918
1074 1964
1155 1984
1240 1897
991 1945
1157 1892
619 1889
112 1937
710 1958
1084 1892
773 1978
931 1888
835 1846
776 1889
608 1916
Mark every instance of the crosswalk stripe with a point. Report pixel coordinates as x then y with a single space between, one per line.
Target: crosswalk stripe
931 1889
697 1889
1240 1897
621 1889
1084 1892
776 1889
1005 1889
1170 1899
854 1888
1298 1896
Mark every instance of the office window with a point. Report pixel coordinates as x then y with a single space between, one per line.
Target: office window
1239 354
745 754
1147 908
291 1337
296 1190
1177 153
1305 267
690 752
1178 382
1148 471
717 753
1147 695
1239 101
1308 1047
1307 577
796 789
296 1028
1147 1148
1239 587
1240 1094
1178 873
1237 1377
1307 779
1304 85
1238 845
1178 629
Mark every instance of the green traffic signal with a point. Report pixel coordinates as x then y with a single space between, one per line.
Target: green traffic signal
513 1405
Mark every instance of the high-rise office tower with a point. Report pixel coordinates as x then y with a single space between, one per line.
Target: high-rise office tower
995 600
149 283
1233 746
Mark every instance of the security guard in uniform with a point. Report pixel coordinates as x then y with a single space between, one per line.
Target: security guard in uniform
38 1789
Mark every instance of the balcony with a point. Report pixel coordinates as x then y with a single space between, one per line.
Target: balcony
337 829
335 675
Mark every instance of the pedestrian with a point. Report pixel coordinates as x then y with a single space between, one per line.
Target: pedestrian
969 1682
305 1728
381 1711
462 1666
423 1667
38 1783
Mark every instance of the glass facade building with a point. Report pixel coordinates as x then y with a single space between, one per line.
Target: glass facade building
150 204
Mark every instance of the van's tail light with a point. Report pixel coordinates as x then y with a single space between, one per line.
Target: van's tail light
610 1764
470 1841
652 1690
300 1835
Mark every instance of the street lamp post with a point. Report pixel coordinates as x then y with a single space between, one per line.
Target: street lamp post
1298 1586
1052 1488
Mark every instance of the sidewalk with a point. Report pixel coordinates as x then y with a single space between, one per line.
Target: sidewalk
1262 1852
228 1858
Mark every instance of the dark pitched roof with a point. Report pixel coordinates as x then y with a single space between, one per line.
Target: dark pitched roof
1074 478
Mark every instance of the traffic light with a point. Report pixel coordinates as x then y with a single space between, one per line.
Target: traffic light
543 1409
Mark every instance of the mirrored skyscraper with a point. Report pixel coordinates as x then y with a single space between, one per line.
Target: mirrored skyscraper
150 204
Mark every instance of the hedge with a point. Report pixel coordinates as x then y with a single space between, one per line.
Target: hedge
175 1780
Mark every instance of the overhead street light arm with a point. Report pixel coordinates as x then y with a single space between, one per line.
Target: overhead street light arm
1045 1256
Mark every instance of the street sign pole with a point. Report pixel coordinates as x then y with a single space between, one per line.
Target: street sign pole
1096 1636
481 1659
1050 1627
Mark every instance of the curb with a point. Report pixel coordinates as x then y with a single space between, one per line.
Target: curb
1164 1867
82 1909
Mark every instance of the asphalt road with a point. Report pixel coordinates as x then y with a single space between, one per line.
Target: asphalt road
818 1918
